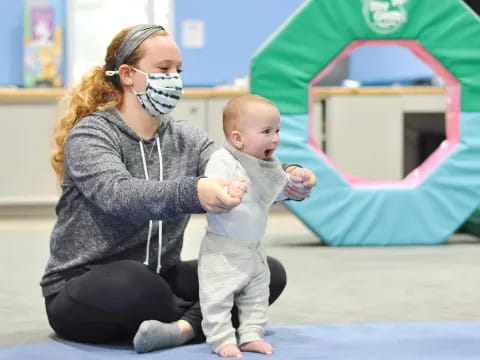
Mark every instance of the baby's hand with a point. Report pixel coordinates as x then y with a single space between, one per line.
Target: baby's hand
301 181
236 189
296 177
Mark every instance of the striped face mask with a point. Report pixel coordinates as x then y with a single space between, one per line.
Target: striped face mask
162 93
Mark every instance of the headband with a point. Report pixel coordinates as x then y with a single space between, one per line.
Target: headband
133 39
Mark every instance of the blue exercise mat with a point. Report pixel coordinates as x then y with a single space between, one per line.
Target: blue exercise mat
406 341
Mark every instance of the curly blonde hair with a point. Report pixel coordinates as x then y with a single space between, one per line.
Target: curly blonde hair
96 92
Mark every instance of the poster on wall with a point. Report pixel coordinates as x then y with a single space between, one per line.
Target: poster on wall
42 44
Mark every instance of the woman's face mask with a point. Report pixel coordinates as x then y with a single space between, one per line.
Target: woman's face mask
162 93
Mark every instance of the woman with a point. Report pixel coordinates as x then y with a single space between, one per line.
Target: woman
132 174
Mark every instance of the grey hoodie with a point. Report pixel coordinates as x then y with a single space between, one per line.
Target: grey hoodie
106 203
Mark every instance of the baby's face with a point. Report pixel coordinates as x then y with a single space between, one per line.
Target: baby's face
259 125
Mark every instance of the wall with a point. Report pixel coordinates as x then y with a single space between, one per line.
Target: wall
384 65
374 132
11 32
234 31
11 37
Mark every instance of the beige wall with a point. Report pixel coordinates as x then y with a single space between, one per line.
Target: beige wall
364 135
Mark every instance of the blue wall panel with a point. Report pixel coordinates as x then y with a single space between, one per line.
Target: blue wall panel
234 31
384 65
11 38
11 35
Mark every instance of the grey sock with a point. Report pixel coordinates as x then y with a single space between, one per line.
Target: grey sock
153 334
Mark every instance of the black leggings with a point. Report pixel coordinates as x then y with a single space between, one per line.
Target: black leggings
109 302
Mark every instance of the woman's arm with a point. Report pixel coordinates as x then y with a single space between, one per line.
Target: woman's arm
93 162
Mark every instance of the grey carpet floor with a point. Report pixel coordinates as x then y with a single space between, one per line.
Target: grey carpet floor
325 284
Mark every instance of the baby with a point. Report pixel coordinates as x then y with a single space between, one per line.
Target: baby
233 266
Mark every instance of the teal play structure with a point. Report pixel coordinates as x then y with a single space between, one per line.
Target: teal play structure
435 199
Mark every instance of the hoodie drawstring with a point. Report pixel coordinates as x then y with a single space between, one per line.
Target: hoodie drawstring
150 223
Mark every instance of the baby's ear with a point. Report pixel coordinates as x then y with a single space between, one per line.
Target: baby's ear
236 139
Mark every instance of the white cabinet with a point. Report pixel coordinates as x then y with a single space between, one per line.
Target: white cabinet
215 107
26 144
193 110
365 134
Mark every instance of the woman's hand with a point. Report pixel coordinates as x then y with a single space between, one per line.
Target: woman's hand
303 181
213 197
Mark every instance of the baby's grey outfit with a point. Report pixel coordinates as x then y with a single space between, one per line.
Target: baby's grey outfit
232 264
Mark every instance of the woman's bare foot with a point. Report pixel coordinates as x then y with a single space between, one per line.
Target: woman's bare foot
260 346
229 350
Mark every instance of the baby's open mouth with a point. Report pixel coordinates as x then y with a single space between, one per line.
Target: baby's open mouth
268 153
